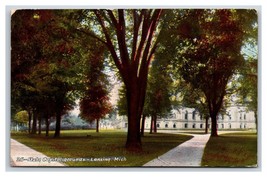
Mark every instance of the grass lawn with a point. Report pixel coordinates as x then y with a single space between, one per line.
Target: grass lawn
76 144
231 150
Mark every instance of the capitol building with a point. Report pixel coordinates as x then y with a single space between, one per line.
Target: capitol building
189 118
235 118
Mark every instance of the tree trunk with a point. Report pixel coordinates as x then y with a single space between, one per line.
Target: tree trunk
143 125
155 124
133 142
97 125
47 123
58 122
39 127
30 121
256 120
34 123
214 125
207 124
151 125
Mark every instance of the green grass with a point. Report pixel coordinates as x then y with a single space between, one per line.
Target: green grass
231 150
76 144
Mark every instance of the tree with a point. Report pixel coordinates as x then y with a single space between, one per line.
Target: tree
247 87
194 98
248 77
95 103
211 53
21 117
159 89
130 37
44 57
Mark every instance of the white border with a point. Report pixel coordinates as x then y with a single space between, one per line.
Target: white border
136 3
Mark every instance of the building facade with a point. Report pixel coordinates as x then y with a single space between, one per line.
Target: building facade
189 118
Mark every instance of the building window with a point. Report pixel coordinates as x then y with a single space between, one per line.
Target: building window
201 125
245 126
194 115
194 126
157 125
245 116
185 125
240 116
201 116
174 126
230 126
222 116
186 115
126 125
222 125
166 125
240 125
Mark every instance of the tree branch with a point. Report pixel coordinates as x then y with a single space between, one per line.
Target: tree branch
109 43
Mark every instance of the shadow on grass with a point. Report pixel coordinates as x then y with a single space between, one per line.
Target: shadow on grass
88 144
231 150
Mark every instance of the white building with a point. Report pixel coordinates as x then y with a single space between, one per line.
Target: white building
189 118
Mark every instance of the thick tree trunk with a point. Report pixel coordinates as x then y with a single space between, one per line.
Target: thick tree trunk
143 125
155 124
34 123
30 121
97 125
58 122
47 123
214 125
133 142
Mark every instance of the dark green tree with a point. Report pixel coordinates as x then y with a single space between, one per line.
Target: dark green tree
159 90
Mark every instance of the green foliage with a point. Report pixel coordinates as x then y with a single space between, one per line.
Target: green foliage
45 61
208 45
21 117
122 101
159 89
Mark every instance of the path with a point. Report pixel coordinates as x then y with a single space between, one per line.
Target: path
22 155
187 154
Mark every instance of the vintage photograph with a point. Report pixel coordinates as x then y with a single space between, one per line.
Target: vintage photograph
134 87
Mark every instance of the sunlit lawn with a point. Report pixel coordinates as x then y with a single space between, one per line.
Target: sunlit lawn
88 144
231 150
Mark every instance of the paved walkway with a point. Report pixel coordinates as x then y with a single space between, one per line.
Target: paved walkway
21 155
187 154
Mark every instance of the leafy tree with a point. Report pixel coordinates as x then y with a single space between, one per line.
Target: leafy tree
211 53
43 62
159 89
194 98
21 117
122 101
95 103
130 37
247 77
